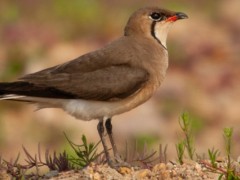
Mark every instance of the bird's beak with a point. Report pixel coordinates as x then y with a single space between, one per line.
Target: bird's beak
177 16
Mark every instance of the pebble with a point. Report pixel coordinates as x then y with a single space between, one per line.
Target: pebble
170 166
159 167
4 175
143 174
96 176
51 174
124 170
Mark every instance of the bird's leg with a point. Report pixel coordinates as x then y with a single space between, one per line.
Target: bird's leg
100 129
112 163
108 126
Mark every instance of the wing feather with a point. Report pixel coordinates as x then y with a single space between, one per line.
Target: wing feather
97 75
103 84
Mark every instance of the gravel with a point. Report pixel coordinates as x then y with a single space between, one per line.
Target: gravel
189 170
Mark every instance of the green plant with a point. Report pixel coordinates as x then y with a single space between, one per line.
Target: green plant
213 154
185 123
85 152
180 147
227 134
229 172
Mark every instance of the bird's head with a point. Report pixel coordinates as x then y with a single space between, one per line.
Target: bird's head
152 22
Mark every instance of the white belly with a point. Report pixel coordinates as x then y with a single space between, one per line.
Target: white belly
88 110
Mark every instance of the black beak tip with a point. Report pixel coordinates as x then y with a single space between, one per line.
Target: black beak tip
181 15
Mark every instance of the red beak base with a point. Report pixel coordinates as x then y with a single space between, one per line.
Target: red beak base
177 16
172 18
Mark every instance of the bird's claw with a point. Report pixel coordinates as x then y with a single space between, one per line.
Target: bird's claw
117 163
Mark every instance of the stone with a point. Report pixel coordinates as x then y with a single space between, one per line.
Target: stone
124 170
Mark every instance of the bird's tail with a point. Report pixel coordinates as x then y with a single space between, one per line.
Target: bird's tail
27 92
23 91
20 89
12 90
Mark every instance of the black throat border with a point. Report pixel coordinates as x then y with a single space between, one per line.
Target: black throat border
154 35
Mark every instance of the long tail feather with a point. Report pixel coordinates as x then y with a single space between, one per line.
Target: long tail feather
22 88
10 97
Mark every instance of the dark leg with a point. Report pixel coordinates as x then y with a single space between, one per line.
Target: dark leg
100 129
117 157
112 163
108 125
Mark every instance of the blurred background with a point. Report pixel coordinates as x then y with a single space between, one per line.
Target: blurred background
203 76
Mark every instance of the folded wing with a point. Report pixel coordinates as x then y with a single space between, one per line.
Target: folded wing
112 82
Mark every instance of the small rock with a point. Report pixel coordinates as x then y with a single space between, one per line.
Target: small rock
238 159
96 176
198 167
110 173
159 167
143 174
205 177
170 166
4 175
90 170
124 170
165 175
189 162
173 173
92 164
51 174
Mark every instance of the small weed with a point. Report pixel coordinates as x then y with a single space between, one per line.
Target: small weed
58 162
229 172
14 169
213 154
185 123
227 134
180 147
85 152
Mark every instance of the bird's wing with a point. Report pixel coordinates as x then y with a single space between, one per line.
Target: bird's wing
116 81
98 75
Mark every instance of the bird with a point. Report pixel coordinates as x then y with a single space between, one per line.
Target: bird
108 81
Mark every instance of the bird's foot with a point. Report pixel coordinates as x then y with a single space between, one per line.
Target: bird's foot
118 163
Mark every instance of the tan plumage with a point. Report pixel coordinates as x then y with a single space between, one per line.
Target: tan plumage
106 82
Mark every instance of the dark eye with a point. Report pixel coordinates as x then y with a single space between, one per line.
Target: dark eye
156 16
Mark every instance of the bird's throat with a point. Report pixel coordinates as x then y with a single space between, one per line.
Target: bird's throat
160 31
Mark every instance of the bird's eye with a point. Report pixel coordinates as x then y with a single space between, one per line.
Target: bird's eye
156 16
